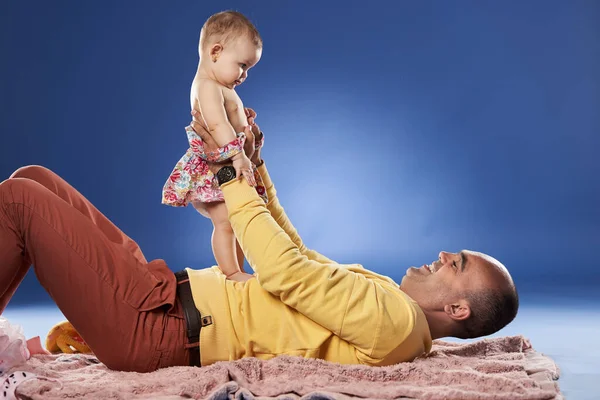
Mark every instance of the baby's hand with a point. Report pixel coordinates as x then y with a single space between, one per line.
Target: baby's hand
243 167
240 277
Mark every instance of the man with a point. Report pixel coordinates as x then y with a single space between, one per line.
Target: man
139 316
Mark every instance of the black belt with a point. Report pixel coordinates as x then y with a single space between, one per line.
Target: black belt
193 320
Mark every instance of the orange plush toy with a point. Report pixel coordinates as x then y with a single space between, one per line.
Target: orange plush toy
63 338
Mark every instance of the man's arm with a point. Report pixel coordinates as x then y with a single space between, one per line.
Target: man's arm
357 305
284 222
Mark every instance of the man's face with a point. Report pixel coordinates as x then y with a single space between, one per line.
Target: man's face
444 281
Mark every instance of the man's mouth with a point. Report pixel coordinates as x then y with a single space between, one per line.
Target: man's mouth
430 268
426 269
237 83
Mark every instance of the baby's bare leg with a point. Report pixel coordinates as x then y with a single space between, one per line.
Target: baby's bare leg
249 151
240 255
223 238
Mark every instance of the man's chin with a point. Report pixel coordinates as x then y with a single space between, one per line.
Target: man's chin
409 280
403 282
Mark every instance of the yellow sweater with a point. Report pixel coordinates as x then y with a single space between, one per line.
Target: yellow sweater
301 303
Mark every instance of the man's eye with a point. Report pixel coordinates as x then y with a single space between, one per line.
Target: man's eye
242 65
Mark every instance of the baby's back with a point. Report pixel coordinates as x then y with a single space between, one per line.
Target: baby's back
231 101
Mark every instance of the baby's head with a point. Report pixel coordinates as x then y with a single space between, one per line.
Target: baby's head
229 45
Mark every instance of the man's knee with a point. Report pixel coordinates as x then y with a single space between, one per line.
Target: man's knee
33 172
16 190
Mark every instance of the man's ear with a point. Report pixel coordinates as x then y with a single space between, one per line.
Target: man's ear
458 311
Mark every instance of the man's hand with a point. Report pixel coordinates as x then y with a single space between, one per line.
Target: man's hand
258 135
199 126
251 116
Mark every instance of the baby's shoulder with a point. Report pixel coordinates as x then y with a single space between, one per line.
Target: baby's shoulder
200 85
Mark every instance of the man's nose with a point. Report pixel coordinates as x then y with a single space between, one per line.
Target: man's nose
244 74
444 255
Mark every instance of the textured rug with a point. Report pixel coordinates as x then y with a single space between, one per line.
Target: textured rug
498 368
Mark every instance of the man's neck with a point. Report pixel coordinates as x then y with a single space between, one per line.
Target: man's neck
439 327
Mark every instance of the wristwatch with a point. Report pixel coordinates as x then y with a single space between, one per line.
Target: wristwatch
225 174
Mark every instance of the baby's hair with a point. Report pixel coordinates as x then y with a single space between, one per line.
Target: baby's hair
225 26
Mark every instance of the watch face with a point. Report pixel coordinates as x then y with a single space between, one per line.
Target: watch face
225 174
229 174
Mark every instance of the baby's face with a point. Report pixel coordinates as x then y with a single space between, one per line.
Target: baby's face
234 61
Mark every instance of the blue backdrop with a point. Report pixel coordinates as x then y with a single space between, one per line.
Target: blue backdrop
393 129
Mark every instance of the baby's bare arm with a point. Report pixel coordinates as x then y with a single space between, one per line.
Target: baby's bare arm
212 105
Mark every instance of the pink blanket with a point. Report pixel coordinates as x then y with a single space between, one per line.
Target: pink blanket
499 368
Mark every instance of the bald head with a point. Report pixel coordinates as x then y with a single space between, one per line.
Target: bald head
494 304
471 294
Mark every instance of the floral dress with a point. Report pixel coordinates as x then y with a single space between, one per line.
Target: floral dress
192 180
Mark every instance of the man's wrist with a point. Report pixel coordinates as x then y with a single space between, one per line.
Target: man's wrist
225 174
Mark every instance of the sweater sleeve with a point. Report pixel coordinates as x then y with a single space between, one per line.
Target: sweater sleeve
282 219
355 304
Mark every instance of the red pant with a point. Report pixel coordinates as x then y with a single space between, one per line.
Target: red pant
124 307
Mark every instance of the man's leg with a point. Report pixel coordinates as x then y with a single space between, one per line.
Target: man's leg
68 193
99 285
